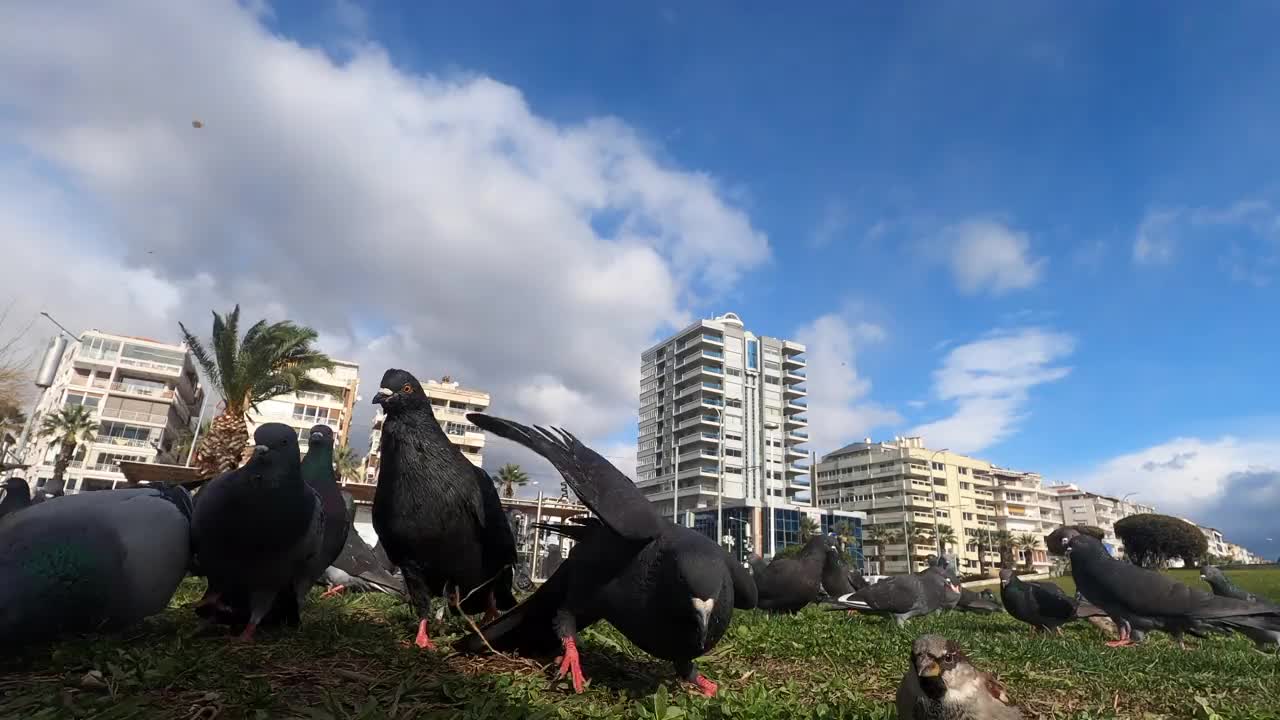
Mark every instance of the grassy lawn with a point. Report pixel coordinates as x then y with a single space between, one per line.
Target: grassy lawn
347 661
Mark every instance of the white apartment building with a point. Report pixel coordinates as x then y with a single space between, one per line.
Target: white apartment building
332 404
909 490
1026 508
1081 507
143 393
720 402
450 402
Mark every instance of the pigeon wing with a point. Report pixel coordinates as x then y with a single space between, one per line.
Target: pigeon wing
597 483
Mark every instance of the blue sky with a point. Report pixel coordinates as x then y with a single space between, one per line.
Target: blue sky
1080 202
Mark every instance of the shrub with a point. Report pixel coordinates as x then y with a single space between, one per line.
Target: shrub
1151 540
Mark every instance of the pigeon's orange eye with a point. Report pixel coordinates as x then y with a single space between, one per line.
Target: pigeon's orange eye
407 388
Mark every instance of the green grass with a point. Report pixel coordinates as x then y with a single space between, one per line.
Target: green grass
347 661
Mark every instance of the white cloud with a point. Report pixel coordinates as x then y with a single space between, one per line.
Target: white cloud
990 381
835 220
427 222
1245 235
989 256
1229 483
839 411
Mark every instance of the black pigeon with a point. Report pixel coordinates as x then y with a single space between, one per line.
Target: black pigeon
14 496
856 581
944 589
942 684
319 473
437 514
789 583
259 529
95 560
667 588
903 596
1042 605
357 568
1144 600
757 566
1223 587
835 577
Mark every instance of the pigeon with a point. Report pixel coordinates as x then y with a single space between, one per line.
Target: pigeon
14 496
789 583
90 561
970 601
941 684
944 590
669 589
757 566
856 581
357 568
437 514
1223 587
903 596
259 531
1142 600
835 578
318 472
1042 605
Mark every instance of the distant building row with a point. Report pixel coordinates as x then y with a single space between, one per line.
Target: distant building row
722 425
147 399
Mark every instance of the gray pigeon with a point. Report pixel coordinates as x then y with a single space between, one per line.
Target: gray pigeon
259 529
14 496
357 568
787 584
941 684
1042 605
1223 587
1144 600
95 560
903 597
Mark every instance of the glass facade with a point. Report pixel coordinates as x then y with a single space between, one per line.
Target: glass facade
753 355
737 525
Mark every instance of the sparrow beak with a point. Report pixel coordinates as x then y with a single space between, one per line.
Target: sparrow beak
928 669
381 396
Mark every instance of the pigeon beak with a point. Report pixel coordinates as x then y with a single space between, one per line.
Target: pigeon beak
259 450
316 436
381 396
928 669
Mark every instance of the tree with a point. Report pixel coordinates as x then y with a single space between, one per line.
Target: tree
808 529
68 426
845 537
946 535
13 365
510 477
1053 541
12 420
1151 540
1003 542
1028 542
346 463
270 360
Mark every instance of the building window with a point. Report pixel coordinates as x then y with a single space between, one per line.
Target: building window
89 401
734 372
771 380
962 470
753 355
939 466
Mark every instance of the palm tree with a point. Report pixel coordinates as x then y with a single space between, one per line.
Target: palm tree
346 463
1028 542
808 529
69 425
12 420
946 536
270 360
1004 544
510 477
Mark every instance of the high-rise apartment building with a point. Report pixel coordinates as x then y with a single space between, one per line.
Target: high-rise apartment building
144 394
450 403
331 404
722 418
909 493
1028 511
1081 507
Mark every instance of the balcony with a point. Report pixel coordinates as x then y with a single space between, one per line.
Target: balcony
123 442
796 406
794 391
97 358
793 452
792 361
134 416
152 367
142 390
796 421
331 422
798 435
796 375
713 386
686 392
